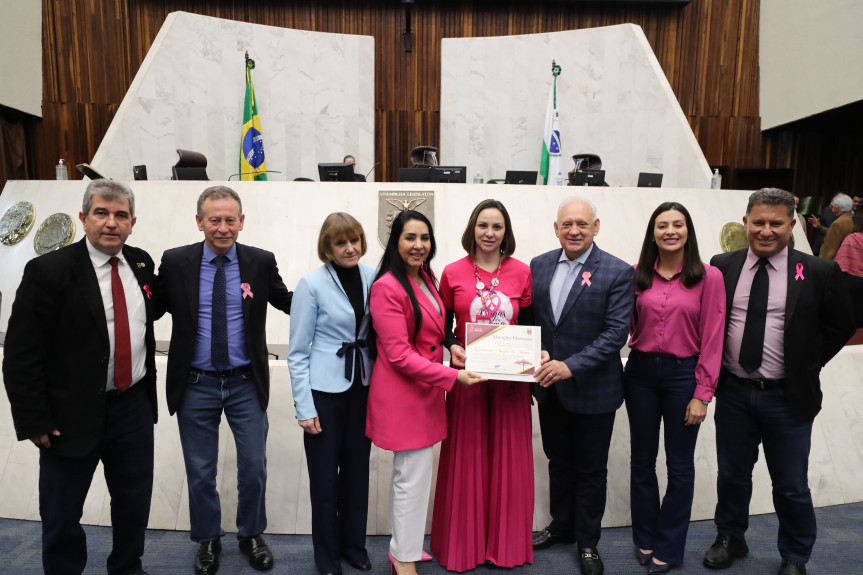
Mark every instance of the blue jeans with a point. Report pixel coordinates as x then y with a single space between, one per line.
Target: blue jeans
198 418
658 390
744 418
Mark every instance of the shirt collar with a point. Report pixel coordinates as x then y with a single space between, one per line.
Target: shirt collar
777 260
210 255
98 258
580 259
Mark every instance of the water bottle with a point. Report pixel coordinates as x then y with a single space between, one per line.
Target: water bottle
62 171
716 180
477 179
559 181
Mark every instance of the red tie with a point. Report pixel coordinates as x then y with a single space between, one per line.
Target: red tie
122 343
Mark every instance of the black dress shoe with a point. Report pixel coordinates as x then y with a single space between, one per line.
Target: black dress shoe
361 565
591 562
724 551
545 538
259 554
792 568
207 558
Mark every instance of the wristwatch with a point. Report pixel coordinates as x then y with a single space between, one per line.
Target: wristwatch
705 402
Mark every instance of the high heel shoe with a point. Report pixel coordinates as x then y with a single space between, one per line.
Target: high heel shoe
425 556
393 561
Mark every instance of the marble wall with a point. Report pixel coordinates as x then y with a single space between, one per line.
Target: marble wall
613 98
314 91
285 218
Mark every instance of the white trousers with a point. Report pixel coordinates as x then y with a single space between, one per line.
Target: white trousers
409 499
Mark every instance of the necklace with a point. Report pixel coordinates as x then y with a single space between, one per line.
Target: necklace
487 294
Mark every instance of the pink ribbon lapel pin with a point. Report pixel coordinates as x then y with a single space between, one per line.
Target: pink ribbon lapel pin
585 279
799 275
247 290
147 291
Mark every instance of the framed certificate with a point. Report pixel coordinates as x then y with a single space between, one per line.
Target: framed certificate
507 352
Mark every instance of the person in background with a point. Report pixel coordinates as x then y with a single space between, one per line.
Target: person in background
788 313
840 228
483 507
351 160
669 379
850 260
330 369
407 411
821 224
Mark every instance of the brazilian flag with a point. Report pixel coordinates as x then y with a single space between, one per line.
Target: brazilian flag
253 166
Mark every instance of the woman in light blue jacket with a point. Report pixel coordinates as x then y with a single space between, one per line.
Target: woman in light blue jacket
330 368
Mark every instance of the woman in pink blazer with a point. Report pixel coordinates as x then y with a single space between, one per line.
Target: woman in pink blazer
406 410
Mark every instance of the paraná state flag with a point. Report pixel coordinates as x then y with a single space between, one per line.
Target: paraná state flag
550 162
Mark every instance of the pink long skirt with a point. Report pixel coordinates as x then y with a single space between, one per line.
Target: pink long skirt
483 507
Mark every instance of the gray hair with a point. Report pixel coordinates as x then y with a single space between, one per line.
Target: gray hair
771 197
218 193
580 200
843 202
110 191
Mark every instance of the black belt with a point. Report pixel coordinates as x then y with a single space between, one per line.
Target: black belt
761 383
354 346
115 394
223 372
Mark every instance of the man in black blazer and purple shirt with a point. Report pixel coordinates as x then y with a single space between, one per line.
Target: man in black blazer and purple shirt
788 314
217 292
582 299
80 373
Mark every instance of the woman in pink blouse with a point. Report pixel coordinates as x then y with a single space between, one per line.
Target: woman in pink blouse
483 508
670 376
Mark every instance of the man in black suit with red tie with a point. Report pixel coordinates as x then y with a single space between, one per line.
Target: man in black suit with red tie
217 292
79 370
788 314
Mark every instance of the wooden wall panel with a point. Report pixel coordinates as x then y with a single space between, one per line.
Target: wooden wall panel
708 50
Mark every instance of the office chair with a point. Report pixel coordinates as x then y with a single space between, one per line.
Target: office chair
190 166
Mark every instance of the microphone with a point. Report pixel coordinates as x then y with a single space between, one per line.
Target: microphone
373 169
253 173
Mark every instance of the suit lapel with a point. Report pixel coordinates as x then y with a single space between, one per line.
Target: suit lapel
426 305
794 285
580 284
192 278
142 275
89 286
248 272
542 281
732 275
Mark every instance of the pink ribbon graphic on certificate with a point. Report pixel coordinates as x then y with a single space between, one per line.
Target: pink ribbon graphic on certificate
799 275
585 278
247 290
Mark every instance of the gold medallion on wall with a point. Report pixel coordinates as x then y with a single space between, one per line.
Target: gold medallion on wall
57 231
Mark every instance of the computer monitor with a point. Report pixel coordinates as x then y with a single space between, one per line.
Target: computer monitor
587 178
449 174
527 178
414 175
336 172
649 180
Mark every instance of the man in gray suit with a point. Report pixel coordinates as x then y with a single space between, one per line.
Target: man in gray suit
583 300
